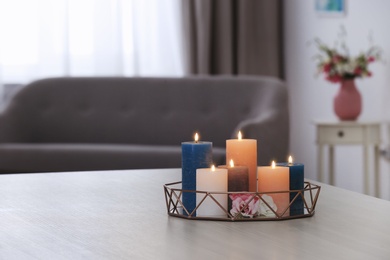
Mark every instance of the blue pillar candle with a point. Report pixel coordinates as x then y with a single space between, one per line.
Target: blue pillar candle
296 183
194 155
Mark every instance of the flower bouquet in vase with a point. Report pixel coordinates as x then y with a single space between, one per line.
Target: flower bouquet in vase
341 68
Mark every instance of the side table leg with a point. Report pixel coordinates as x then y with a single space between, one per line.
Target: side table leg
331 165
320 173
366 170
377 170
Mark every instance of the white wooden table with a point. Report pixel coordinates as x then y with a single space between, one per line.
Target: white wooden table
122 215
366 134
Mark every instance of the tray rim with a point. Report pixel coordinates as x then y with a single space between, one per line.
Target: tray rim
172 208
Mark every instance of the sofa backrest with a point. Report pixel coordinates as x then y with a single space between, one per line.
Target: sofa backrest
164 111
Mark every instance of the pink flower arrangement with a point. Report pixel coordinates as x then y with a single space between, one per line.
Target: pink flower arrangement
241 206
338 65
248 206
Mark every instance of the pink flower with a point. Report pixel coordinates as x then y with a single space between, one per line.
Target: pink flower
241 206
357 71
333 78
250 206
371 59
327 67
337 58
369 73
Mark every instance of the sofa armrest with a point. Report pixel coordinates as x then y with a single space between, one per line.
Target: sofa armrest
271 130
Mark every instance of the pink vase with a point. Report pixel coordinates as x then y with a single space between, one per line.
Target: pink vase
347 103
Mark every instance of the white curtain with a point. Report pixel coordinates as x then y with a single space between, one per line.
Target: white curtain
46 38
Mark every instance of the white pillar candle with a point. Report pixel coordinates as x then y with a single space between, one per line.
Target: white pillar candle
211 180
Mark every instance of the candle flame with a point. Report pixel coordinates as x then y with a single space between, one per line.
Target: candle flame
273 165
239 135
196 137
290 159
231 163
213 168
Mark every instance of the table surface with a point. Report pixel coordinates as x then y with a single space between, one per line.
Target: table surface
122 215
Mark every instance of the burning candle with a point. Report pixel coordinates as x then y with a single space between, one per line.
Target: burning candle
244 153
238 178
211 180
195 155
296 183
275 178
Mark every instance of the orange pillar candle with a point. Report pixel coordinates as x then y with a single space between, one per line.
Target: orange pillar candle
244 153
275 178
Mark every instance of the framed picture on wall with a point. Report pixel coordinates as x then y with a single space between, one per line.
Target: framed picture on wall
332 8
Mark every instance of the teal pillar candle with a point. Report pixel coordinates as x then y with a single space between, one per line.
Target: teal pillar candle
194 155
297 177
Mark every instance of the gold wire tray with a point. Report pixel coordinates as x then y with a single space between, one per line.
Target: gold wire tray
308 196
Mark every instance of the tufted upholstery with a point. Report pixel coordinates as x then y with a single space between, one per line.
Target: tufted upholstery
61 124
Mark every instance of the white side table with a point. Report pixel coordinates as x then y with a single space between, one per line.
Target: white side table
333 133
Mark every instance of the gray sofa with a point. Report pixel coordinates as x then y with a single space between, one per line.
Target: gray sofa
71 124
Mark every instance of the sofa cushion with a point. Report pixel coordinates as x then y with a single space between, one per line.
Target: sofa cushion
152 111
98 123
